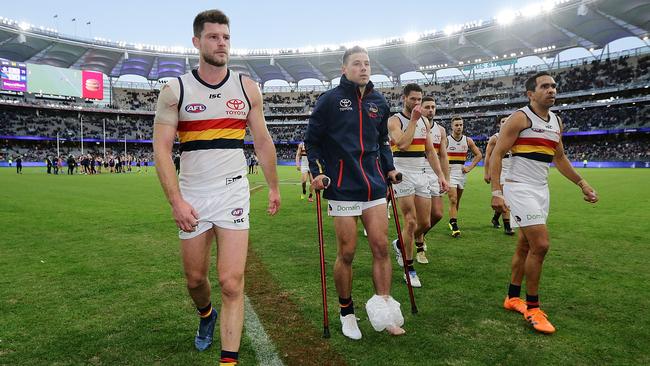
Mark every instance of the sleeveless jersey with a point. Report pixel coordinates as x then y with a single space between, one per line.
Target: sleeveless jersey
436 138
303 154
413 157
505 164
457 152
534 149
211 129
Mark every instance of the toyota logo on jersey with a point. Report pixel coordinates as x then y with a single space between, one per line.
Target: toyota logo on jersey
195 108
235 104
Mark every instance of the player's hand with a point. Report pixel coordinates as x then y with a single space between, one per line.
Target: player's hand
466 169
317 182
487 179
589 193
274 202
444 186
298 167
416 113
395 177
186 217
499 204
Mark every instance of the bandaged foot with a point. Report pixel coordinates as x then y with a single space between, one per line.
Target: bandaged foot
385 314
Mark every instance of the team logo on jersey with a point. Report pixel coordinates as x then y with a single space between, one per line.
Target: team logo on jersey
538 130
195 108
237 212
452 148
345 105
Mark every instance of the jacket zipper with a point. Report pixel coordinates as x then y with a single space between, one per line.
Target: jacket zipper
362 150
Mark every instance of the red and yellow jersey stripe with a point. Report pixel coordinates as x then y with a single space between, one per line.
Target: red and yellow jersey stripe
456 157
218 133
535 148
415 150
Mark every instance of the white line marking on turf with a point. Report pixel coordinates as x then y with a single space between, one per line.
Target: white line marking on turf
262 345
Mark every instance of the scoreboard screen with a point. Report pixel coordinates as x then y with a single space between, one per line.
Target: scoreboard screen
13 76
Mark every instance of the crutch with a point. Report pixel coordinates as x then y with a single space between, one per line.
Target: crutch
321 247
414 308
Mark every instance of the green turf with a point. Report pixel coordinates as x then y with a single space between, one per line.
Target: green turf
91 275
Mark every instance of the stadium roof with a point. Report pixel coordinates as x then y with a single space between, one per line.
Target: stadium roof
544 29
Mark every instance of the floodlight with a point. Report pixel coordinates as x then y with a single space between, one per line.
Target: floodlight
411 37
506 17
532 10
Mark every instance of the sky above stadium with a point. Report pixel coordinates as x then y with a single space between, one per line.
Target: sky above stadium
254 24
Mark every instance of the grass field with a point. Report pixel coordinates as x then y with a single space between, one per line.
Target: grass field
91 276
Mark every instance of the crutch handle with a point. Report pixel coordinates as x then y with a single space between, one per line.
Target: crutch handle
326 182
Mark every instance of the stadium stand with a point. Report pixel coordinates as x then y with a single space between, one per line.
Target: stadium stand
603 99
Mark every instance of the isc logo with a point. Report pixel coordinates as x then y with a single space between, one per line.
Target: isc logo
195 108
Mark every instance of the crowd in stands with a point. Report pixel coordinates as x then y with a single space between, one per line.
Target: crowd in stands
295 107
610 148
135 99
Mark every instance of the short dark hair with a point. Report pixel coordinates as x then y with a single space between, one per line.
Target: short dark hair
411 88
456 118
209 16
428 99
351 51
531 82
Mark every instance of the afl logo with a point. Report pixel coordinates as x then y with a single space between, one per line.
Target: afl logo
345 103
237 212
235 104
195 108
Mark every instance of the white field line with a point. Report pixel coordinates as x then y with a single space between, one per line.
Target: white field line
262 345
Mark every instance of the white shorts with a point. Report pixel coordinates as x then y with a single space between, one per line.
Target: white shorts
434 185
304 168
351 208
457 179
414 182
228 208
528 203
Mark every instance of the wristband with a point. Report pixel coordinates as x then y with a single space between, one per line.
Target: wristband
497 193
581 183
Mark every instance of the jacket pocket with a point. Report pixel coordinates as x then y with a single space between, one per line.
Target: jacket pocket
340 180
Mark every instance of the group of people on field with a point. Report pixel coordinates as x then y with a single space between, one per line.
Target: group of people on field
352 140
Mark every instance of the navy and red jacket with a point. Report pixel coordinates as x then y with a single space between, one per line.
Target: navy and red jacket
347 140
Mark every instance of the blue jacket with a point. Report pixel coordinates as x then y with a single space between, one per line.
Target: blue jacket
347 140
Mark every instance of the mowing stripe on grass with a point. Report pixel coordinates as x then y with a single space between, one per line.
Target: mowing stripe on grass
261 343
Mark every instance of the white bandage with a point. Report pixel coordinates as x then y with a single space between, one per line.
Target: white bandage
384 312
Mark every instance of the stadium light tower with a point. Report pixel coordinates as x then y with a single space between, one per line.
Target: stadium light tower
411 37
506 17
